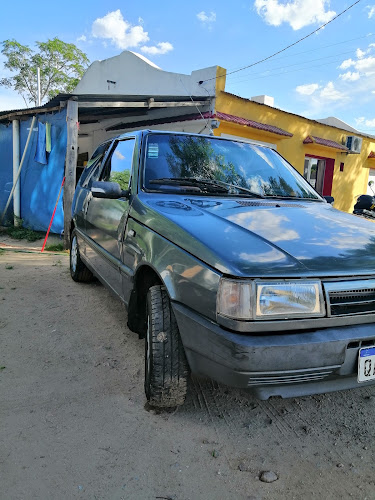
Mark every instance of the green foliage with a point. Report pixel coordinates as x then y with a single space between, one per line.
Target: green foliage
59 247
121 178
2 251
22 233
195 157
61 67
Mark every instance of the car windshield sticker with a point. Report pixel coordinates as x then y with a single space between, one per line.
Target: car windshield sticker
153 150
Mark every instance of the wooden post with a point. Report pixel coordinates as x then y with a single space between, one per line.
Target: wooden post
70 166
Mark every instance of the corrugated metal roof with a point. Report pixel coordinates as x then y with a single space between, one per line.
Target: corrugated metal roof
55 102
251 123
363 134
311 139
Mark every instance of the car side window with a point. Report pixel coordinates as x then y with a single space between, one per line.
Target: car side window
119 164
93 166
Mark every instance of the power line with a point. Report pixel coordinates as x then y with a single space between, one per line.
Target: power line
250 78
270 70
285 48
313 50
293 54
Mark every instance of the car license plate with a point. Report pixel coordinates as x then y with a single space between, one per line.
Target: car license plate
366 364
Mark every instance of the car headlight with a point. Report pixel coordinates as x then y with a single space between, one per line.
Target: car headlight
257 300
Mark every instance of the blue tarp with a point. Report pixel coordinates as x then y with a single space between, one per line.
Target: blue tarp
40 184
6 169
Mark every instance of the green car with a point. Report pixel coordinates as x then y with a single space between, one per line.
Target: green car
230 264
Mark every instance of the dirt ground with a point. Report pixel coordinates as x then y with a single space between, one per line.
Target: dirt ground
74 424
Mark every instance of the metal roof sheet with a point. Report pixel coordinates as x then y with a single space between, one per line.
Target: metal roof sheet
312 139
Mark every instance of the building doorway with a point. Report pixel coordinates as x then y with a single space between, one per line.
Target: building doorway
314 173
318 172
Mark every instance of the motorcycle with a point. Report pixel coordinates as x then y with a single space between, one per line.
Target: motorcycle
365 206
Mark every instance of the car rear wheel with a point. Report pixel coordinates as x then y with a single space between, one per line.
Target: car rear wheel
166 367
78 270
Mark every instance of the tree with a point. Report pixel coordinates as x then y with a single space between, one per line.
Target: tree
196 157
121 178
61 67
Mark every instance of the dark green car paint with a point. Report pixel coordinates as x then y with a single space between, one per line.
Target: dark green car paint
191 241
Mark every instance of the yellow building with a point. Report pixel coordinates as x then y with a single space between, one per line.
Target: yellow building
317 150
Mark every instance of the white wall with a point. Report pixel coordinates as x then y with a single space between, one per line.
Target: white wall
94 134
133 74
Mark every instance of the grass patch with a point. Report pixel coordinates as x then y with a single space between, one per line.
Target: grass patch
59 247
22 233
2 251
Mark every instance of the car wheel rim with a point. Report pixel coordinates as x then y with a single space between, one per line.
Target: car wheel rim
74 254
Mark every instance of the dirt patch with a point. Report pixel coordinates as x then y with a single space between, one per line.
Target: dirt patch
74 423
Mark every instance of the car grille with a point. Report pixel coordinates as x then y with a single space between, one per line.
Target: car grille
277 378
350 298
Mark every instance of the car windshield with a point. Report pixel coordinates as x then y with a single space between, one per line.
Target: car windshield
191 163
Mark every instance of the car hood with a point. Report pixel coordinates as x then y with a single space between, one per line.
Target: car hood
257 238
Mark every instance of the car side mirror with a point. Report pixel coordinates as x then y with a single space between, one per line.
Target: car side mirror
109 190
329 199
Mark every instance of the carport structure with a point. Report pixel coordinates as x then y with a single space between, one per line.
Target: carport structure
105 104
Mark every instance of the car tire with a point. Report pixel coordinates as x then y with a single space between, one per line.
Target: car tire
166 366
78 270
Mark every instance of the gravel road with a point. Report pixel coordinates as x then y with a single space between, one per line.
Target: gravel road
74 423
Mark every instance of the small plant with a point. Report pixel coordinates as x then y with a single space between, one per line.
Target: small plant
2 251
59 247
22 233
2 367
8 267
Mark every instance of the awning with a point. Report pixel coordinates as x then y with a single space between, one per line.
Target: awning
248 123
320 141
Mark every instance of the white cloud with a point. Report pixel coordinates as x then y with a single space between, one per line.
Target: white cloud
82 38
207 18
329 93
364 122
366 64
160 48
350 76
119 31
346 64
297 13
360 53
307 89
371 10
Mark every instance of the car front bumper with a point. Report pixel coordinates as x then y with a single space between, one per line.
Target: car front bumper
279 364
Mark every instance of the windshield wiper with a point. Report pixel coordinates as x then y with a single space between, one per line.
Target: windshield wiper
212 186
204 185
235 186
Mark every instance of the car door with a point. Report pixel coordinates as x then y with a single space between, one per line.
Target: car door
83 194
106 218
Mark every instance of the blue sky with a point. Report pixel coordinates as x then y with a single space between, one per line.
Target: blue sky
332 73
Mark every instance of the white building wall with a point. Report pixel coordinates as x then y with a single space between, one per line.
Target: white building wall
132 74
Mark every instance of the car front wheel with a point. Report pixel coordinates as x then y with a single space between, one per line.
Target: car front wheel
166 367
78 270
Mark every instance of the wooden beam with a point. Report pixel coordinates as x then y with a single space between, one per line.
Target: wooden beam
70 166
29 111
178 104
140 104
